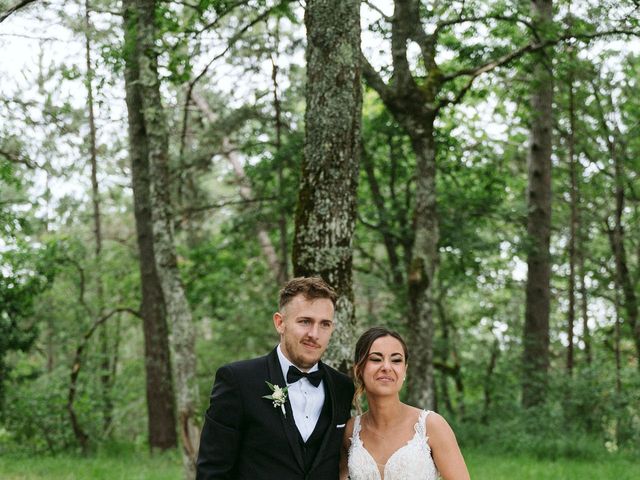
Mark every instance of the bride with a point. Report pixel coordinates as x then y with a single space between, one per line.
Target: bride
392 440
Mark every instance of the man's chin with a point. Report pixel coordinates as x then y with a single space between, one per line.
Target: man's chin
308 362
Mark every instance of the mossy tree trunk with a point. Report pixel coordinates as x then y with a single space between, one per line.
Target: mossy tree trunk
159 380
326 208
178 311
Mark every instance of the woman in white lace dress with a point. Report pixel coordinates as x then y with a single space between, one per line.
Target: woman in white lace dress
392 440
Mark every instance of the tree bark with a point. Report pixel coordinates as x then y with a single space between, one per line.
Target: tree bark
535 361
624 280
178 310
106 379
283 271
487 381
574 227
326 208
159 383
415 108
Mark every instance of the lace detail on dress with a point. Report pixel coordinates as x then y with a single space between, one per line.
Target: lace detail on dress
410 462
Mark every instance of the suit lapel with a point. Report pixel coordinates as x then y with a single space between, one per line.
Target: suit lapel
288 423
330 396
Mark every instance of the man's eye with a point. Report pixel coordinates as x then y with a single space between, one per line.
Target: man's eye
305 322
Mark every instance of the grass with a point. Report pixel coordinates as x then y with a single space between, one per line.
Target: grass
134 465
113 465
520 467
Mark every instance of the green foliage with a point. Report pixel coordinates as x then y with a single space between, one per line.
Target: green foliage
24 274
36 418
481 191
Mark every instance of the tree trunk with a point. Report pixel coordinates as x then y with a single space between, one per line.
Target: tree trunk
624 281
584 305
159 384
283 271
106 379
326 208
178 310
574 228
487 381
415 108
535 361
422 270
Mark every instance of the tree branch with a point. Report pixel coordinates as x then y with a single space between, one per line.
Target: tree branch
447 23
375 81
237 36
474 73
378 10
213 206
14 9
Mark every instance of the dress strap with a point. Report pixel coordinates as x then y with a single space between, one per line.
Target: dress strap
356 427
421 425
355 435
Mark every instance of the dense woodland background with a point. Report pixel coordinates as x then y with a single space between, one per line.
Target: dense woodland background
468 177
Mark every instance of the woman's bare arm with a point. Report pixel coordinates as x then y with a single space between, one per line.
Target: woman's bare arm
445 450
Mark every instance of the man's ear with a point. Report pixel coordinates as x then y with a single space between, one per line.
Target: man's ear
278 322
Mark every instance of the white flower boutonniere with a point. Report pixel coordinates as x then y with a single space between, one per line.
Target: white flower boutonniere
278 397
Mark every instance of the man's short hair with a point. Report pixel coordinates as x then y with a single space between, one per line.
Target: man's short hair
312 288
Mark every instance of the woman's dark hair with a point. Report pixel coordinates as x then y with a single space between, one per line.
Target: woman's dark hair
363 345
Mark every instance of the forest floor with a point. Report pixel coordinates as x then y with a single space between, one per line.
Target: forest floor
136 466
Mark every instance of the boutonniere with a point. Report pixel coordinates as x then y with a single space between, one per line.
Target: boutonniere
278 397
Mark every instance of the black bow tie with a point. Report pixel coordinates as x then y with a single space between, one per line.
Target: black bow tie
293 375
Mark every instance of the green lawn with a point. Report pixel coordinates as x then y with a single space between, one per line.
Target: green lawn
141 466
505 467
124 466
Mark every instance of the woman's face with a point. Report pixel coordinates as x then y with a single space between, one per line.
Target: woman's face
385 367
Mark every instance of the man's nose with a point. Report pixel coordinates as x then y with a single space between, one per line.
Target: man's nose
314 330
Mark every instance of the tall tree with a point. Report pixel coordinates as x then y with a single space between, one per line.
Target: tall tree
536 324
178 309
574 223
106 379
326 209
159 384
625 280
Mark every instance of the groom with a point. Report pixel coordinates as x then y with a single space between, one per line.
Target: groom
292 435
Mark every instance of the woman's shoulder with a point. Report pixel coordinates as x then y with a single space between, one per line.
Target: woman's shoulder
348 432
438 429
350 424
435 420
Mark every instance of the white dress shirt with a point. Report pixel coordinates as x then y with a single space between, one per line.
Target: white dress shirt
306 400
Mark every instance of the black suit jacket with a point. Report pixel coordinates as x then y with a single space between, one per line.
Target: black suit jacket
245 437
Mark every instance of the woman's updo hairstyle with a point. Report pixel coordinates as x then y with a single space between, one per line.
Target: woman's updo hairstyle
363 346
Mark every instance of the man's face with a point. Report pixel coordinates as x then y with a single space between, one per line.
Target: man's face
305 327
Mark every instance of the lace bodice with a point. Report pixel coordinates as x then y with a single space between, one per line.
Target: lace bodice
411 462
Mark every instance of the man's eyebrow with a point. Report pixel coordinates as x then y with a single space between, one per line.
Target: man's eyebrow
311 318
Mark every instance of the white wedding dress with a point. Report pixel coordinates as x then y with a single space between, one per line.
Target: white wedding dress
411 462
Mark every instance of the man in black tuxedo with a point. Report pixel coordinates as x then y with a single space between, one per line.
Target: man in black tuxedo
288 436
